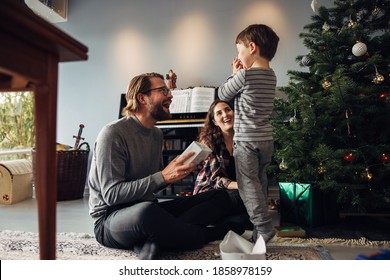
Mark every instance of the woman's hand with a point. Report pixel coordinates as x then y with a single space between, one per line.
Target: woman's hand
177 170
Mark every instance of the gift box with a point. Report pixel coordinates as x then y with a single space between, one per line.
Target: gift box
305 205
15 181
236 247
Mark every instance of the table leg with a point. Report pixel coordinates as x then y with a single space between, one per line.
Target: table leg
46 171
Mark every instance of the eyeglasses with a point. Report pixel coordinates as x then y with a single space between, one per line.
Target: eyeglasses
163 90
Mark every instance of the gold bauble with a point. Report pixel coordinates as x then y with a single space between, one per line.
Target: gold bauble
321 170
326 27
366 175
352 24
378 79
283 165
326 84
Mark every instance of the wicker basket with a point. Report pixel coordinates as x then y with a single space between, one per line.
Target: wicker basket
72 168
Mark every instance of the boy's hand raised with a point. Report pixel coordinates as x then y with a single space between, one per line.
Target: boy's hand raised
236 65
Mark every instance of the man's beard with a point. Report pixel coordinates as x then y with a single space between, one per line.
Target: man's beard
159 114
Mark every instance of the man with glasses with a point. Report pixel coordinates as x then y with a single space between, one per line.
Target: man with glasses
127 171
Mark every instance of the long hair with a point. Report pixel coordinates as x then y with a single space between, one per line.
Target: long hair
140 83
211 134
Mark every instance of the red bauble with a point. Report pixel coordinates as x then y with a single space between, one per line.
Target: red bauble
385 158
350 157
384 96
322 46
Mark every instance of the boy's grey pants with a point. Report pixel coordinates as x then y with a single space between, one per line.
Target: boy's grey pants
252 159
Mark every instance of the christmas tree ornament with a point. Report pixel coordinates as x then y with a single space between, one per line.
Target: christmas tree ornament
306 60
321 169
384 96
326 84
376 11
283 165
384 158
314 5
366 175
359 49
323 47
294 119
351 23
378 79
325 27
350 157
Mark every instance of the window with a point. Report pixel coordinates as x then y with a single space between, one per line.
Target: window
17 124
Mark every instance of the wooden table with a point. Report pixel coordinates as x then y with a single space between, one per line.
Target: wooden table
30 50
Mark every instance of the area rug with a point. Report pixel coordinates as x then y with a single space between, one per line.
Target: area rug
362 241
19 245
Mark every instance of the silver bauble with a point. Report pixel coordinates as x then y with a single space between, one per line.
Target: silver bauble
359 49
306 60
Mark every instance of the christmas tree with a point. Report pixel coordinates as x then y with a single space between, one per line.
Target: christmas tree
333 129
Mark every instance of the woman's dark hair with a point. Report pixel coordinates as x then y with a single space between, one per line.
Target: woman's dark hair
211 134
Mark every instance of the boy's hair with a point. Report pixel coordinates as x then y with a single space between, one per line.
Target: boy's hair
140 83
263 36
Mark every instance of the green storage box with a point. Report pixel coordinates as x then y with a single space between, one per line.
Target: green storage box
305 205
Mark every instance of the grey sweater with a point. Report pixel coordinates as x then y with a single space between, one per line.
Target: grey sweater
126 165
253 91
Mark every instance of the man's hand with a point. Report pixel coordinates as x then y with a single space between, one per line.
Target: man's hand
233 185
176 170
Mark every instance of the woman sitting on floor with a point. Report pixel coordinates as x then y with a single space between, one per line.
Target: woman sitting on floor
218 171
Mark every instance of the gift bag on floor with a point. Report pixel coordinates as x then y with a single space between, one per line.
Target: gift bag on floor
305 205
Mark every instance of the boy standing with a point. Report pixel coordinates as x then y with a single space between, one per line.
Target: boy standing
252 85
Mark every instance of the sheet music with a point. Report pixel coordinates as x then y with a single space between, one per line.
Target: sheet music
180 101
201 99
195 100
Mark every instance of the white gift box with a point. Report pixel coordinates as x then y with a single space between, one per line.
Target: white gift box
235 247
